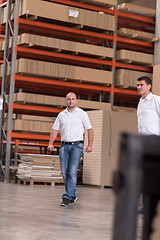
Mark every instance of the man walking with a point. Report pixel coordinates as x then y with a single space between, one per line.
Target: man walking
72 122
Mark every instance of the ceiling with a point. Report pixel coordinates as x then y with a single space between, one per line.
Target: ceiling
144 3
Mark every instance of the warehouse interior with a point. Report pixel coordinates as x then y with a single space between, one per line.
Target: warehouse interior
97 49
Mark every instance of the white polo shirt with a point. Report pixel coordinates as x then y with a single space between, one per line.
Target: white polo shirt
148 115
72 124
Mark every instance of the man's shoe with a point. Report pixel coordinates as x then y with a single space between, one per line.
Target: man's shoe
65 202
73 200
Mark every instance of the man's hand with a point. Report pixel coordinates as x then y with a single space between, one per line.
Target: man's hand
88 149
52 138
90 140
51 148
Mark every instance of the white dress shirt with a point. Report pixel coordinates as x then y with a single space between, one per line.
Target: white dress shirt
148 115
72 124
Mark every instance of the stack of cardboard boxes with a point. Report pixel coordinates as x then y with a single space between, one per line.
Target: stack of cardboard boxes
98 166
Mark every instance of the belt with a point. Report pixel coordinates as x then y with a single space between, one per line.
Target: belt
72 143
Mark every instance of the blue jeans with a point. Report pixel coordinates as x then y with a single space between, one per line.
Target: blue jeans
70 156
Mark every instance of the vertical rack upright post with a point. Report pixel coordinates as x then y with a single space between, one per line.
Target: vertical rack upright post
111 100
8 87
4 78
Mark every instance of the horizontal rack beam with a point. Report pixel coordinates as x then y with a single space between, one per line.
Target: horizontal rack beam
144 21
65 84
35 109
51 82
48 55
74 60
77 33
31 136
50 28
135 42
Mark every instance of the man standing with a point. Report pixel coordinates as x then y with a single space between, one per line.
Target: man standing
72 121
148 111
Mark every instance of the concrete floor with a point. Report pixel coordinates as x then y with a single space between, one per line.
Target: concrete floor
34 213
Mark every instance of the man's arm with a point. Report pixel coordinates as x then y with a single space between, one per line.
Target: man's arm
52 138
90 140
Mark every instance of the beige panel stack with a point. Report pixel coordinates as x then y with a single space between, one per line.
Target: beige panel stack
57 101
59 12
39 99
39 168
131 33
92 161
32 126
135 57
99 165
156 80
127 7
62 71
128 78
29 40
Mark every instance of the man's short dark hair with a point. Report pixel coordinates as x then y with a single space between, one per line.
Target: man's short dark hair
147 80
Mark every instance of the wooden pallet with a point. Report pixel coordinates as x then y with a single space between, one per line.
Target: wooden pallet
40 183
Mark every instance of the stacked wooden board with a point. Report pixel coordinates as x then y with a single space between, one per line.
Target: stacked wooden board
136 34
39 168
46 100
69 14
32 126
134 57
59 45
99 165
61 71
133 33
128 78
136 9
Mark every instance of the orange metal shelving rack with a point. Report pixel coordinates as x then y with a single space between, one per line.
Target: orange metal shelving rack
26 25
36 84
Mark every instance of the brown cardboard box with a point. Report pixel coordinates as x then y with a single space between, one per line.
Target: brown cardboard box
98 166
